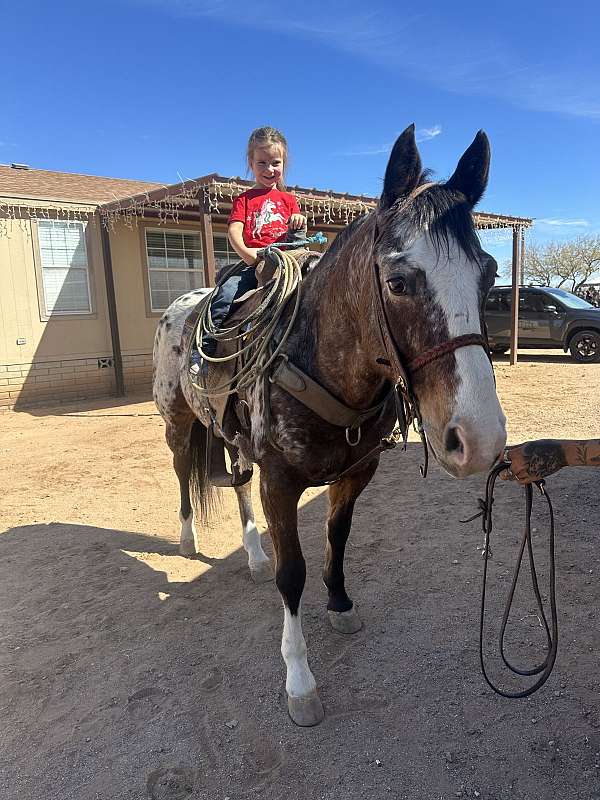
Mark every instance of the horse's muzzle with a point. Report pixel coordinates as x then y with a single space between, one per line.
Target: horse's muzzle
466 450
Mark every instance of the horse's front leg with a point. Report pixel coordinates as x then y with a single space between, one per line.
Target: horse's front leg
280 504
342 496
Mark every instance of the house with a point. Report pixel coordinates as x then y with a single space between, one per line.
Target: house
88 265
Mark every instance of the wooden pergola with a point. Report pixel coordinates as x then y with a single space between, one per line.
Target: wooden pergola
207 200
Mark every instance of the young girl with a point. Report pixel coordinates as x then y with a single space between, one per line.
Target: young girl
259 217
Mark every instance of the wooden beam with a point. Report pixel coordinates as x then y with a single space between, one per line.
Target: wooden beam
514 322
206 234
111 300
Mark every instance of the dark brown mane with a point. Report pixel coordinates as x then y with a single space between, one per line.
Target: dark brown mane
444 212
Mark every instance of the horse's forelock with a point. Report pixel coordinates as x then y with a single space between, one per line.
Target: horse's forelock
441 212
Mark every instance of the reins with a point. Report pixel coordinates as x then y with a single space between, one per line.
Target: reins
544 669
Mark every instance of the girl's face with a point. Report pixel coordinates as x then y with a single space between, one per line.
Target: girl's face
267 165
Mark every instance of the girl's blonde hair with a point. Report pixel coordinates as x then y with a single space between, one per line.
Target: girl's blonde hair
266 137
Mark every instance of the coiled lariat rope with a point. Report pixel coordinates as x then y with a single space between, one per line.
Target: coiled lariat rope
253 335
543 669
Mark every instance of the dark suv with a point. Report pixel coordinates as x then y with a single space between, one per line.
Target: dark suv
548 317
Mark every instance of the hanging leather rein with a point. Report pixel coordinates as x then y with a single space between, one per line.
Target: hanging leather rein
545 667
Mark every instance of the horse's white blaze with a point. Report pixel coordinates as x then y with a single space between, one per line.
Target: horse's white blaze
300 681
454 280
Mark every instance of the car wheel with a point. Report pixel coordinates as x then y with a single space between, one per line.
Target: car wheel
585 346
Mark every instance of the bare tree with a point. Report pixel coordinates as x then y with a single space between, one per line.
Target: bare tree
568 264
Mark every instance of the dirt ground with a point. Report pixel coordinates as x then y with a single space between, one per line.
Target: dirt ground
129 672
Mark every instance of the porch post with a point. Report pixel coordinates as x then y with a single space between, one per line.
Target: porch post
206 235
514 324
112 310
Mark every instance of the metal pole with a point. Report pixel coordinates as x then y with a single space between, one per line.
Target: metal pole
112 310
206 236
514 323
522 257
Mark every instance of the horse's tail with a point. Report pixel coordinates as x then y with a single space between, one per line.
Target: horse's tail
204 495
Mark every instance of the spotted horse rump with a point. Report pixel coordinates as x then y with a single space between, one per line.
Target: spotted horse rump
400 292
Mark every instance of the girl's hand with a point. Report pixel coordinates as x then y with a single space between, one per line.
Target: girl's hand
296 222
250 255
533 461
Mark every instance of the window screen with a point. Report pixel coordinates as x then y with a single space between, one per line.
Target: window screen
64 261
175 265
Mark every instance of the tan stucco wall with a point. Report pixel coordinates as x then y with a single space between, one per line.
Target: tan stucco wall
22 317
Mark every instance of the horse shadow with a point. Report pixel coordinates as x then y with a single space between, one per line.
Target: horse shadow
130 671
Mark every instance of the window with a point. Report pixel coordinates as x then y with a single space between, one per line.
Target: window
493 303
64 263
498 301
224 252
175 265
531 301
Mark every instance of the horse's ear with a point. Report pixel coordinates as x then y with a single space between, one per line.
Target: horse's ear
471 174
403 169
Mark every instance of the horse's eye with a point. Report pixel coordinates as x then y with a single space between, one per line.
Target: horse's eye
397 284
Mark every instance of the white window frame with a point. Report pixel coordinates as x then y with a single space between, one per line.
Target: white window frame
182 232
47 313
229 248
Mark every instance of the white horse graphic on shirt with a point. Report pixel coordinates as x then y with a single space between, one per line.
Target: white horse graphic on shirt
265 216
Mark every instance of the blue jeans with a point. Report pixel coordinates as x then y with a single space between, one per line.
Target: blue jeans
226 294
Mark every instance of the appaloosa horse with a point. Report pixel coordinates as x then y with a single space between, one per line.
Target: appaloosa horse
417 260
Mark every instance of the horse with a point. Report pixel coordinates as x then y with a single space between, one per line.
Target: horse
414 261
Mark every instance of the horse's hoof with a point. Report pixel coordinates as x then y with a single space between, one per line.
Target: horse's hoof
306 711
345 621
261 572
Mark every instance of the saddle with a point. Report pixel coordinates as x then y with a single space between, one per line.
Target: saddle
226 410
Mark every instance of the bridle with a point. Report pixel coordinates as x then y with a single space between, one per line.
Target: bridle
406 400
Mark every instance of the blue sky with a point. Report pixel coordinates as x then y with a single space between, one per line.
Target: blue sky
163 89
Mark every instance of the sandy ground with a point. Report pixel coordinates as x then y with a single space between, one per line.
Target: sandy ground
127 671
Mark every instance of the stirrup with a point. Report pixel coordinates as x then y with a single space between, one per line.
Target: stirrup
216 468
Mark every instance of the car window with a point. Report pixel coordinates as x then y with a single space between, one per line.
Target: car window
552 301
493 302
498 301
531 301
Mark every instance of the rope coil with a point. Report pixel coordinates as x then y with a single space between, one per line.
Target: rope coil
253 335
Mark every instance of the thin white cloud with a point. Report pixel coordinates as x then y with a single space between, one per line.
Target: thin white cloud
422 135
369 151
425 134
563 223
493 68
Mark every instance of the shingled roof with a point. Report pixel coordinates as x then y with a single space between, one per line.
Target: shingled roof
23 189
42 184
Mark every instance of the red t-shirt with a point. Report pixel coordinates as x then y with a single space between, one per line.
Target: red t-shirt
265 214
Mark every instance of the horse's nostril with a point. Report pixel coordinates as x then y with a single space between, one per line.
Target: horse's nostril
453 442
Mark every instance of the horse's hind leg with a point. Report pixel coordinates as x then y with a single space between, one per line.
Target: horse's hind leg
178 439
342 496
258 560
